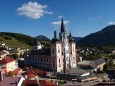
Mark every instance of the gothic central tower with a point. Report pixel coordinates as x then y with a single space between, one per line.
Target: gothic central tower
65 47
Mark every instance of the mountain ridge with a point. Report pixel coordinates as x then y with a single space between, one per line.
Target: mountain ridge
104 37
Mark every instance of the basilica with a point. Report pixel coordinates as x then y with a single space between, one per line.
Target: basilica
59 57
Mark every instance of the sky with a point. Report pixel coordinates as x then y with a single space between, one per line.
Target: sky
42 17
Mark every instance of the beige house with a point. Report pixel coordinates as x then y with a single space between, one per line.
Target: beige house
8 63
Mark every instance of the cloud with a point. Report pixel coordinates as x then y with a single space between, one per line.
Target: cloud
33 10
59 17
94 18
59 23
111 23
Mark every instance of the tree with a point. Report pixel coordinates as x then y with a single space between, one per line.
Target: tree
110 63
11 73
15 56
105 67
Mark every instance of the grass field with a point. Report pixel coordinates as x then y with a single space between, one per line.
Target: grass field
15 43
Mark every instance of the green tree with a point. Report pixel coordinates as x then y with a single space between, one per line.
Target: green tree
15 56
110 63
11 73
105 67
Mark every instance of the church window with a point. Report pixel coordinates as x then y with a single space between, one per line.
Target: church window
59 63
58 49
53 63
53 51
59 60
47 59
44 59
73 49
41 59
73 58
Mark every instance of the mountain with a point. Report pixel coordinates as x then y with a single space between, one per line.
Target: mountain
43 38
76 39
105 37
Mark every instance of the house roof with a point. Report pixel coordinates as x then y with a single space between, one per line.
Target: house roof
10 81
100 61
39 83
31 76
44 51
6 60
46 83
78 71
97 62
36 71
84 63
30 83
17 71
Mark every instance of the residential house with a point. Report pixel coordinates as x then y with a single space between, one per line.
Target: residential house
97 65
8 63
3 54
10 81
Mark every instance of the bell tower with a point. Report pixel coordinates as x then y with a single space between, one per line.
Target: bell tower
56 49
72 46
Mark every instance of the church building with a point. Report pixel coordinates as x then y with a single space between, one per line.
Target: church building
59 57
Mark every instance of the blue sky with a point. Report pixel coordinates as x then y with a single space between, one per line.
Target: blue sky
41 17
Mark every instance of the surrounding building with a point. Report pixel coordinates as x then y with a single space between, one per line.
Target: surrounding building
98 64
60 57
8 63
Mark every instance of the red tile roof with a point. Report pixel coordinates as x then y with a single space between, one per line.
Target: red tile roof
17 71
46 83
38 71
31 76
6 60
40 83
29 83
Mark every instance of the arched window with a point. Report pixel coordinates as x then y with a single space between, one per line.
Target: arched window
53 63
47 59
52 50
59 60
58 49
73 49
59 63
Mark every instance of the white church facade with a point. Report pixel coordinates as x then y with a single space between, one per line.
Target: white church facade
59 57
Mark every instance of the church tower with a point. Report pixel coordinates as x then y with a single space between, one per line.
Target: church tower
37 46
57 59
65 47
63 51
72 48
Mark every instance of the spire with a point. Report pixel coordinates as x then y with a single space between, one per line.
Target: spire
55 37
62 26
55 34
70 37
